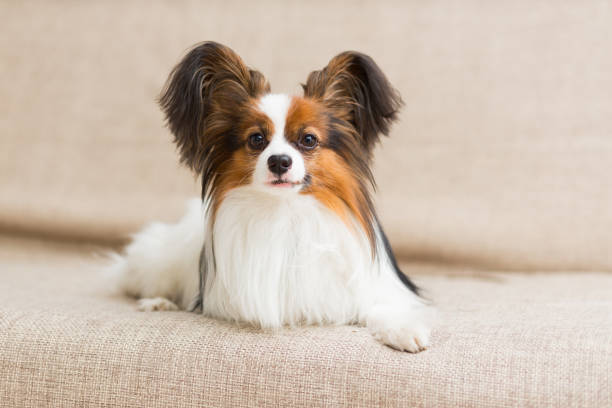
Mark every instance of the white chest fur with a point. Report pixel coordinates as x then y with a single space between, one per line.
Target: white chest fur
273 260
282 259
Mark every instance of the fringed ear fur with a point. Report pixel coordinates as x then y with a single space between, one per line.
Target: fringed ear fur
202 97
357 91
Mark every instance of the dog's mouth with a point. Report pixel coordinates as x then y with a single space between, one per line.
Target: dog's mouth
285 183
280 183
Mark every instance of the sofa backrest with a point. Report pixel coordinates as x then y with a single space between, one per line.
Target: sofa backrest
502 157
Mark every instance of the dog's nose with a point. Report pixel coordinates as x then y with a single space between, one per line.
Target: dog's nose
279 163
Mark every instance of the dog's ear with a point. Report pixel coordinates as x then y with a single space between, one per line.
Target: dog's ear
357 91
202 96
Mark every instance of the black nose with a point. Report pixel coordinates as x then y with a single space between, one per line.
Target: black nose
279 163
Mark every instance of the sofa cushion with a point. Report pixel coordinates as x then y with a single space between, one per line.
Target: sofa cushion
501 340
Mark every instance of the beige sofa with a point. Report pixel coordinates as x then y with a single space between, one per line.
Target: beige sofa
495 189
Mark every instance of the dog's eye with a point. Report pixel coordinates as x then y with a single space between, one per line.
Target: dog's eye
257 141
308 141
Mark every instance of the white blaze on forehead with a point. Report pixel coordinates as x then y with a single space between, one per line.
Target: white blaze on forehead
276 106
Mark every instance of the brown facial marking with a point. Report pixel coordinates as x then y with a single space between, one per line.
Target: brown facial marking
254 120
333 182
305 116
237 167
334 185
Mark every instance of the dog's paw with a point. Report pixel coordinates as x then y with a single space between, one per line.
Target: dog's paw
410 339
156 304
399 331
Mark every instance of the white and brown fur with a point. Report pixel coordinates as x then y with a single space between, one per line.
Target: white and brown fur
272 248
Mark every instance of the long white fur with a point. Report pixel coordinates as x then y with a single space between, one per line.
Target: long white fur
274 258
163 259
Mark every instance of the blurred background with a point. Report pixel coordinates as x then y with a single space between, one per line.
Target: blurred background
502 158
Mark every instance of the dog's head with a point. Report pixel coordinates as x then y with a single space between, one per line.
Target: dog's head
233 132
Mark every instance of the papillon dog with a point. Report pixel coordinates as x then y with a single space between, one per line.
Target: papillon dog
285 232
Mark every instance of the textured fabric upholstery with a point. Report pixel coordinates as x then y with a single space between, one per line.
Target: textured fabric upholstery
537 340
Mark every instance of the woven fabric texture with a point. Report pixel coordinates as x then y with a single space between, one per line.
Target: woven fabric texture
503 340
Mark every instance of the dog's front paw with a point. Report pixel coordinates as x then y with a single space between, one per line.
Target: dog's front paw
401 331
156 304
411 339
